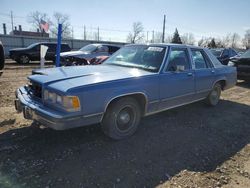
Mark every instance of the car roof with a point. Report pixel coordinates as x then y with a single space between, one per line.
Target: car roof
51 43
166 45
104 44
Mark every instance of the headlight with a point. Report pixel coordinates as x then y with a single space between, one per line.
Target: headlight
59 99
68 103
231 64
52 97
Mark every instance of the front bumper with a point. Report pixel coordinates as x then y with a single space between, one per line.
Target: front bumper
243 75
48 117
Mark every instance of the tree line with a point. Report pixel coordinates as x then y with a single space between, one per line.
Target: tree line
230 40
137 34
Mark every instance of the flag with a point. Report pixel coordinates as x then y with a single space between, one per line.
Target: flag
44 25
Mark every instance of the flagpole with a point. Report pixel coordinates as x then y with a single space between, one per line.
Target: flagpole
58 48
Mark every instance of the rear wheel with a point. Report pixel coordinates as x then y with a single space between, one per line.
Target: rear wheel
24 59
121 118
214 96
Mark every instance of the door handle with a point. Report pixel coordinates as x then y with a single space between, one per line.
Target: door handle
213 71
190 74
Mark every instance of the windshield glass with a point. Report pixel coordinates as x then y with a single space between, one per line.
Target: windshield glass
139 56
246 54
32 45
89 48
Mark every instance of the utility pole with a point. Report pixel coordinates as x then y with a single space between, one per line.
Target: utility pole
163 32
98 37
11 16
84 32
72 31
153 36
147 36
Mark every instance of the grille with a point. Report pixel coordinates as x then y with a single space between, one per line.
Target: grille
36 89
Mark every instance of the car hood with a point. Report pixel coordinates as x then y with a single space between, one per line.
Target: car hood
65 78
18 49
74 53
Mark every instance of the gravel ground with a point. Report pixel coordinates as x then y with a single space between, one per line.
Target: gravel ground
190 146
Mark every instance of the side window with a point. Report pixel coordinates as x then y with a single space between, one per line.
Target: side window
199 59
225 53
113 49
102 49
178 59
65 47
37 47
233 53
50 47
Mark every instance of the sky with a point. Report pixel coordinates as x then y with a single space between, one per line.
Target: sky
210 18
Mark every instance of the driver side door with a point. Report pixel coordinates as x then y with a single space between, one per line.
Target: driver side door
177 83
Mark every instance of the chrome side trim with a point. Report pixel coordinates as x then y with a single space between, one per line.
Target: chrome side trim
91 115
170 98
203 91
155 101
151 113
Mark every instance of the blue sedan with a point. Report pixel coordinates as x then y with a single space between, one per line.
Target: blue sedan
136 81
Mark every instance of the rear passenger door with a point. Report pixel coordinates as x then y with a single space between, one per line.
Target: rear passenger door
50 55
177 80
204 73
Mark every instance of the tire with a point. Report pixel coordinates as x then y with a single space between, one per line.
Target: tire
1 57
214 96
23 59
121 118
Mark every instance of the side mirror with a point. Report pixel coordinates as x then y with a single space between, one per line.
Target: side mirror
119 58
180 68
177 68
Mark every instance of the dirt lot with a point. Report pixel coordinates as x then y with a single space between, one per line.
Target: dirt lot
190 146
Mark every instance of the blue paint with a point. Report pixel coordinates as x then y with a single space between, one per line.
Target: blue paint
58 48
97 85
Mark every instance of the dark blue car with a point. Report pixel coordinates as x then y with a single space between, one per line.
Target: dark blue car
136 81
224 54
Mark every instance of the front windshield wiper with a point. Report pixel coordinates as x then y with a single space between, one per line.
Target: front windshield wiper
132 66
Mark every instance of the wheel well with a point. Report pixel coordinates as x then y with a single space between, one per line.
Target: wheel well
222 83
139 97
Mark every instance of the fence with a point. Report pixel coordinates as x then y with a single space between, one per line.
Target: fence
11 41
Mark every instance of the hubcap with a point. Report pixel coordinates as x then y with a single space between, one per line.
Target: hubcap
125 119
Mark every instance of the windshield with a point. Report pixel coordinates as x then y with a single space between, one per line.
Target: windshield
139 56
32 45
216 52
246 54
89 48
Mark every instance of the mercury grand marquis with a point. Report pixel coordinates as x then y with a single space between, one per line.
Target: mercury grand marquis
136 81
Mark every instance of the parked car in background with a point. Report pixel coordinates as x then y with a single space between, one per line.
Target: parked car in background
242 63
223 54
1 58
89 54
32 52
136 81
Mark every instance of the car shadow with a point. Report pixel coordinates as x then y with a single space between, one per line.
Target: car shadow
245 84
193 137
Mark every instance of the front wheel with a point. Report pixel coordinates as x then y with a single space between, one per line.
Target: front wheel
214 96
121 118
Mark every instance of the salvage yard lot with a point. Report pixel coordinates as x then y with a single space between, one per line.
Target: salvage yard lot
189 146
